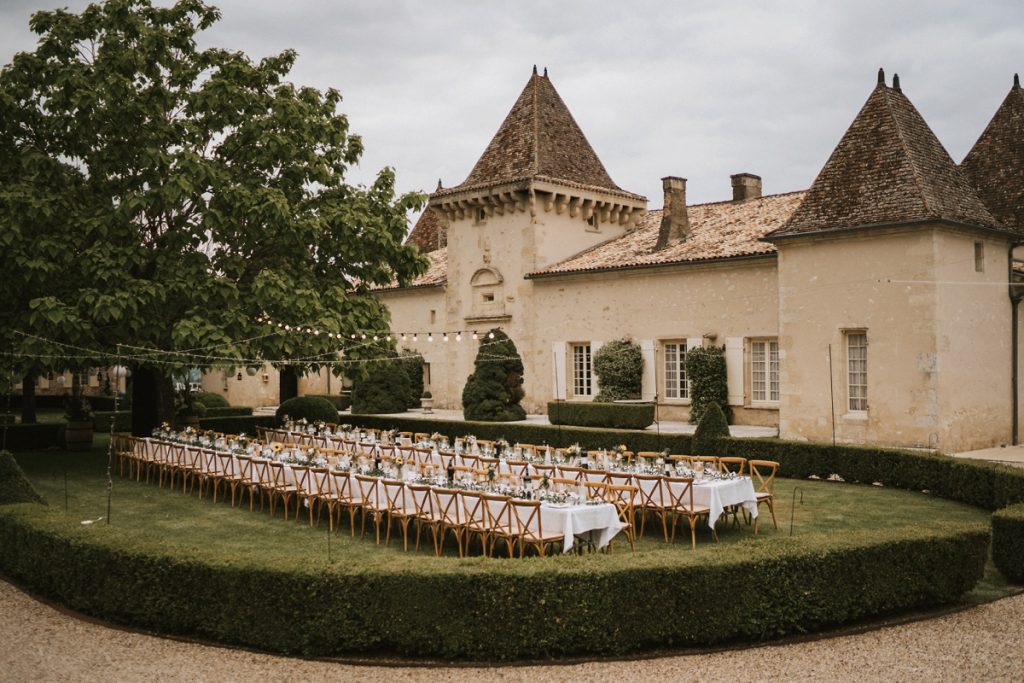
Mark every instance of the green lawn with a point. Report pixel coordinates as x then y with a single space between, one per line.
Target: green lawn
218 531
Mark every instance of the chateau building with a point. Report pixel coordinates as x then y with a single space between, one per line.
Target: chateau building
876 306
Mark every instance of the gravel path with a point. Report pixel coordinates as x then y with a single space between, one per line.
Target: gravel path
982 643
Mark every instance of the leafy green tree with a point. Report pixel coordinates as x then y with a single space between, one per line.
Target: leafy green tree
412 362
619 366
494 390
385 389
183 193
706 373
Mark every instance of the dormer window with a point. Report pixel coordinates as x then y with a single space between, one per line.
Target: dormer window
479 216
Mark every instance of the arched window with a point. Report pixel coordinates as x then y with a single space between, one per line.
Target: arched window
487 288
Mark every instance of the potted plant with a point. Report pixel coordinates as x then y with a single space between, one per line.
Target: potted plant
427 402
79 429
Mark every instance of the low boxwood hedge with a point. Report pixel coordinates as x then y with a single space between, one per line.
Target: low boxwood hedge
35 437
343 402
1008 541
450 609
228 411
14 485
607 415
238 425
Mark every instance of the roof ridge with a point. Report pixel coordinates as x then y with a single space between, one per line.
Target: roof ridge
732 201
536 122
903 143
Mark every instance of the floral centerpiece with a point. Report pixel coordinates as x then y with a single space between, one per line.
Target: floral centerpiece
574 451
501 445
619 452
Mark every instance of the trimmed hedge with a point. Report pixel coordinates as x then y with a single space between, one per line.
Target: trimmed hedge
122 421
50 401
981 484
607 415
342 402
14 485
210 399
238 425
488 610
712 426
1008 542
310 407
35 437
229 411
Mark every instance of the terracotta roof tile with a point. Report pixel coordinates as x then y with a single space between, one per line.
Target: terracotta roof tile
995 165
888 168
436 275
717 230
430 232
538 138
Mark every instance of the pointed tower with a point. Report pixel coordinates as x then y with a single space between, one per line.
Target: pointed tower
888 168
887 272
540 160
995 165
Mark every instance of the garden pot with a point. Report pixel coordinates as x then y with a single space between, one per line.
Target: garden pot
427 404
78 436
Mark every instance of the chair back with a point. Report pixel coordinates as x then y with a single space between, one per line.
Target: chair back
763 473
595 476
304 479
623 497
279 476
447 508
321 481
529 450
261 468
421 437
369 494
422 501
245 468
498 511
394 491
651 490
195 458
596 490
474 512
732 464
680 492
620 478
341 486
225 464
526 517
520 468
568 472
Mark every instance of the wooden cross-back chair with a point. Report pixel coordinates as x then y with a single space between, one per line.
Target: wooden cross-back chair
680 491
763 474
526 515
652 500
623 497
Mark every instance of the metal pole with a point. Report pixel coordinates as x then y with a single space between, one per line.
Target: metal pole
110 446
832 394
792 507
10 390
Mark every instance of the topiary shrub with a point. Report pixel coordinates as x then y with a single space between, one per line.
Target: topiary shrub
705 370
619 366
712 427
412 363
312 408
494 390
1008 542
14 485
384 390
339 401
606 415
210 399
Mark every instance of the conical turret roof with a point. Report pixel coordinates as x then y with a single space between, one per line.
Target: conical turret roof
995 165
888 168
539 139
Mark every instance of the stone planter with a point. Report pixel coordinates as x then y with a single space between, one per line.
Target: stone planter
78 436
427 404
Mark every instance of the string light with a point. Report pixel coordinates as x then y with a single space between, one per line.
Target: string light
458 336
475 336
415 337
430 337
490 335
403 336
446 336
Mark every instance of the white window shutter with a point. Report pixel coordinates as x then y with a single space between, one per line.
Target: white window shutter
558 374
734 369
648 386
595 389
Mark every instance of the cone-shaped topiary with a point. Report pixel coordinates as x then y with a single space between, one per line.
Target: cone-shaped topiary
494 390
412 363
619 366
384 390
712 426
14 485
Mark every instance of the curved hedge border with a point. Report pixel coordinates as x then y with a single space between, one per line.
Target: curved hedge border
1008 542
489 610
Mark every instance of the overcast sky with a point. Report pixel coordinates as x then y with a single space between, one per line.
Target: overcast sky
696 89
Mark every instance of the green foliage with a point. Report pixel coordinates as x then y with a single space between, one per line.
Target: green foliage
607 415
712 426
122 421
14 486
384 390
238 425
229 411
164 195
494 390
619 366
210 400
34 437
802 584
341 402
412 363
1008 542
705 371
312 408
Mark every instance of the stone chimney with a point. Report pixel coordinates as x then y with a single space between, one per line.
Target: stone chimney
675 222
745 186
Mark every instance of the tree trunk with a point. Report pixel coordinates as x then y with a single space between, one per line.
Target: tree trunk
28 398
288 384
152 400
